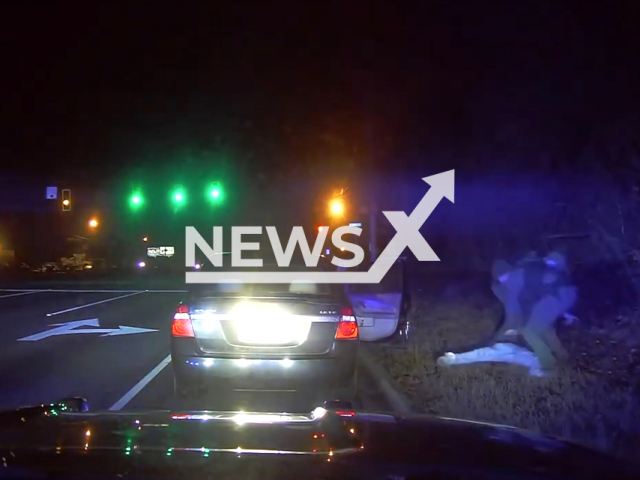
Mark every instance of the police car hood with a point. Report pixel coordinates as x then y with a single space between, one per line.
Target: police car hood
43 441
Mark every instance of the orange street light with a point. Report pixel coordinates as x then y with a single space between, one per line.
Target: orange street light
336 207
145 239
93 223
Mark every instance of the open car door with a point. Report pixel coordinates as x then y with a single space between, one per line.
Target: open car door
381 309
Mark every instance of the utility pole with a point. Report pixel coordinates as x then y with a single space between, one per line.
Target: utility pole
369 124
373 225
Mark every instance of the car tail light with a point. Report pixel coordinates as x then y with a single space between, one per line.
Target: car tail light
347 326
182 308
345 413
181 326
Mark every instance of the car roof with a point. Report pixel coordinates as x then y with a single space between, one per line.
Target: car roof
268 265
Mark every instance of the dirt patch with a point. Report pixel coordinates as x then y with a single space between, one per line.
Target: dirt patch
595 400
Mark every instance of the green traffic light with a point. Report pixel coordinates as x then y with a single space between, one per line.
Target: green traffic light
178 195
136 199
215 192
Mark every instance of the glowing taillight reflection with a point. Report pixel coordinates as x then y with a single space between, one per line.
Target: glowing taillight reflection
182 326
347 326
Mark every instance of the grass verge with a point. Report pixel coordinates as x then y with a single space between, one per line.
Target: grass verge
594 401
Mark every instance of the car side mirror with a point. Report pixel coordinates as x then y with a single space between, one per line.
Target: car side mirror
73 404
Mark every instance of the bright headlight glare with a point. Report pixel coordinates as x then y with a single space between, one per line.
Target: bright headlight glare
248 310
318 412
264 323
243 418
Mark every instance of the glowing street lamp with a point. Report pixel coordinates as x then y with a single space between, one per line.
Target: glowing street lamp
93 223
336 207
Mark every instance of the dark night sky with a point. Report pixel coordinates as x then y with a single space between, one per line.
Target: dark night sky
94 88
274 96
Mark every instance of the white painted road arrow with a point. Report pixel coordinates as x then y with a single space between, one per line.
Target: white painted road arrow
69 328
123 330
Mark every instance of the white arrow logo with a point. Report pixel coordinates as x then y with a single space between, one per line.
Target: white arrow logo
407 235
69 328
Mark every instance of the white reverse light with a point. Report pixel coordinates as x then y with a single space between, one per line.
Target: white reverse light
268 324
243 418
318 412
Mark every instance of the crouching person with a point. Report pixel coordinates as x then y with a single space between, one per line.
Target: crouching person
534 295
557 297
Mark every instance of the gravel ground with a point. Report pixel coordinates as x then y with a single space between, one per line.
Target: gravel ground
595 400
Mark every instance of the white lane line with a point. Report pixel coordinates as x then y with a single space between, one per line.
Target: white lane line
127 397
36 290
18 294
24 289
89 291
94 303
167 291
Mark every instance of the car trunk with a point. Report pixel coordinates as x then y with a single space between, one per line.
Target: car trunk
377 314
267 327
378 306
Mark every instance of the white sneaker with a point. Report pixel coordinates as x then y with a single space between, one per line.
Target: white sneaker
446 359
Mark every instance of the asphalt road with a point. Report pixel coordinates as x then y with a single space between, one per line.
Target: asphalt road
116 355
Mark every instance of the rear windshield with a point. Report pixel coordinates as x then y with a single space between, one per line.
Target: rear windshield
268 289
265 289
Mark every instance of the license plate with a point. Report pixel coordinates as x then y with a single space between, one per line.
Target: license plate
365 321
272 332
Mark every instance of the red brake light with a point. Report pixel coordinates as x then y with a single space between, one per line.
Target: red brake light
180 416
182 308
347 326
345 413
181 326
